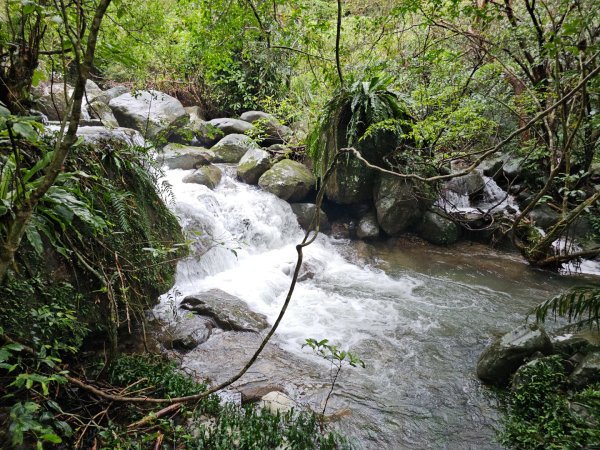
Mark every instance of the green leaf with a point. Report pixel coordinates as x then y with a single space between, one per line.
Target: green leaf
35 239
38 76
25 130
51 437
4 111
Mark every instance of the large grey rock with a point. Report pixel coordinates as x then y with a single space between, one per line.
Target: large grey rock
492 167
544 216
186 157
587 371
232 147
105 138
288 180
229 312
195 132
103 112
195 112
277 133
113 92
186 333
513 167
471 185
54 98
400 203
501 359
438 228
305 213
368 228
208 175
231 126
150 112
253 164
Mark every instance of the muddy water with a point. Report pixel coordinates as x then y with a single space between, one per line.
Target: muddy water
417 315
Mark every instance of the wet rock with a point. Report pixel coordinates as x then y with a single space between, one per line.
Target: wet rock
253 392
150 112
232 148
544 216
277 402
513 168
288 180
501 359
587 371
186 333
344 229
400 203
368 228
253 164
231 126
177 156
471 185
438 228
492 167
208 175
350 182
229 312
305 213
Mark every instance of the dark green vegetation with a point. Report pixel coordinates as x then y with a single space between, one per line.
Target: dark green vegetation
417 88
542 413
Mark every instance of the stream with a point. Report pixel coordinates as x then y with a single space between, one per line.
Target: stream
418 315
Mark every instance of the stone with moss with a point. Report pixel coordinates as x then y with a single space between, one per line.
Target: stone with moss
288 180
208 175
253 164
439 229
232 147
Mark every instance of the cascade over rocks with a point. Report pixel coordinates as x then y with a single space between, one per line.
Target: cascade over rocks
288 180
437 228
149 112
368 228
305 213
231 126
177 156
253 164
501 359
400 203
229 312
232 147
208 175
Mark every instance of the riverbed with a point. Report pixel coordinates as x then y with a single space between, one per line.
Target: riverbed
417 315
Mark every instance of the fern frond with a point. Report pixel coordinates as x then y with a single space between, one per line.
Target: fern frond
581 305
118 201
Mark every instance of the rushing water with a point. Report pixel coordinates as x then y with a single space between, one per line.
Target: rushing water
418 316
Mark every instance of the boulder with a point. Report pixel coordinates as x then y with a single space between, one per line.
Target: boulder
587 371
150 112
288 180
305 213
232 147
106 138
186 333
253 164
400 203
229 312
231 126
543 216
195 112
208 175
501 359
437 228
109 94
53 99
350 182
368 228
177 156
471 185
513 167
103 112
277 402
492 167
204 133
277 133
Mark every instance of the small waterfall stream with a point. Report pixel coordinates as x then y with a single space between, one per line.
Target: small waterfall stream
418 316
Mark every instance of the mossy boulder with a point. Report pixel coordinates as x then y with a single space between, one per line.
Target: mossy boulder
232 147
208 175
253 164
288 180
437 228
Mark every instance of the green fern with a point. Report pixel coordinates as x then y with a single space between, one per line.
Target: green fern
118 200
580 305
